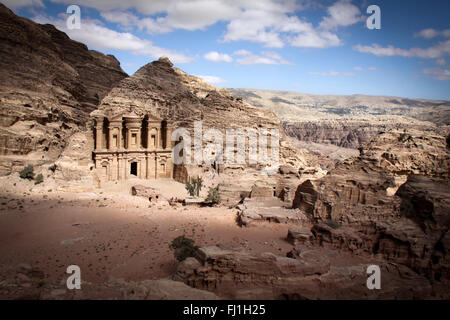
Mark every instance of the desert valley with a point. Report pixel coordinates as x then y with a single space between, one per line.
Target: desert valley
88 178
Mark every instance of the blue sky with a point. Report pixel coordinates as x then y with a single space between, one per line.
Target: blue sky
319 47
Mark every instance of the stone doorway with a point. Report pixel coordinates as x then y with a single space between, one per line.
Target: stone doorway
133 168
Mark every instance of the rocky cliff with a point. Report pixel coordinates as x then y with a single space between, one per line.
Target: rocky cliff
48 86
160 89
391 200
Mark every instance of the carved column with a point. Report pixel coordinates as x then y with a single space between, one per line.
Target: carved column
158 135
168 137
98 133
119 166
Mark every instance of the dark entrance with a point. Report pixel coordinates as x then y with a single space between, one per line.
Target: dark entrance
133 168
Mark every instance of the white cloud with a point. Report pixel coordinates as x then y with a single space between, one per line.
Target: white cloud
242 52
427 33
315 39
332 74
212 79
441 62
358 68
432 33
342 13
128 20
314 73
436 51
16 4
438 73
194 15
218 57
144 7
267 57
256 26
99 37
272 23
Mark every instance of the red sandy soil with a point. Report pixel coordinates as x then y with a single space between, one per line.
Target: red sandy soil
110 234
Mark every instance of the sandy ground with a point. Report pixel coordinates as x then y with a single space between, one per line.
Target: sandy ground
110 233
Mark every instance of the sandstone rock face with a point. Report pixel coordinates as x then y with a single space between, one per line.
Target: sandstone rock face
309 274
299 235
30 283
48 87
166 289
378 205
162 90
146 192
270 210
349 133
362 188
426 201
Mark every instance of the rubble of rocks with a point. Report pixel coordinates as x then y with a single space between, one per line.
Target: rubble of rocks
268 210
307 274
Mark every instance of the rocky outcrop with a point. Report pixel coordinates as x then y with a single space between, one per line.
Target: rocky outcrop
268 210
167 92
308 274
29 283
376 203
363 188
418 238
299 236
48 87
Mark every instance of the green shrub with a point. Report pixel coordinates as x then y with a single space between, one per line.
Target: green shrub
27 173
183 247
332 223
38 179
194 186
404 137
213 195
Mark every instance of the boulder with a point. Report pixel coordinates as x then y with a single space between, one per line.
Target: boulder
299 236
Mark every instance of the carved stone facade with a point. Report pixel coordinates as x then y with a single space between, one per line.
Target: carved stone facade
131 146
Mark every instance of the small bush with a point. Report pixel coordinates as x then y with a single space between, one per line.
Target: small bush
332 224
404 137
183 248
27 173
213 196
194 186
38 179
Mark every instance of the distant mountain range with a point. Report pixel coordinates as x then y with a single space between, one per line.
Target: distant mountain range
295 106
347 121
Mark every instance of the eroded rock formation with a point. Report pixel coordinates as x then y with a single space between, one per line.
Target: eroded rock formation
48 86
309 274
392 201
